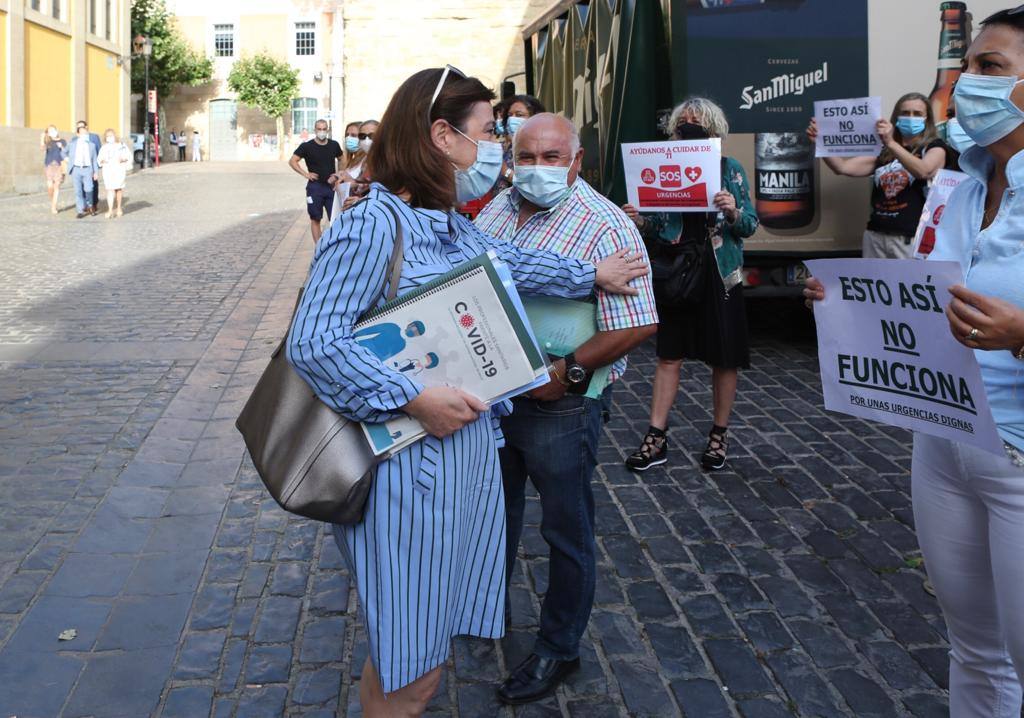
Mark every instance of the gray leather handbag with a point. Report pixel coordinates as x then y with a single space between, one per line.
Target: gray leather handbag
313 461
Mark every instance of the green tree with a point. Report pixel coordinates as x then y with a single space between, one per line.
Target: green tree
268 84
173 62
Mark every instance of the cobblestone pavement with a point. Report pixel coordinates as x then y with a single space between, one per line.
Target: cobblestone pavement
789 584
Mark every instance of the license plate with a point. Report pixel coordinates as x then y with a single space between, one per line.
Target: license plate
797 274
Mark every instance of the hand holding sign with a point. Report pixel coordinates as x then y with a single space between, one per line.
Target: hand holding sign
886 353
847 128
676 176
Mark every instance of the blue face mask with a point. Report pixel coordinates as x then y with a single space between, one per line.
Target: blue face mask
512 124
351 144
483 173
984 107
910 126
543 185
956 137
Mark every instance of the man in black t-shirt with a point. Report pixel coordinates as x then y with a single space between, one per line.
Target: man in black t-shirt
321 157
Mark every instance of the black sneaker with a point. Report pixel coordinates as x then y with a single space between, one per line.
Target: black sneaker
713 457
652 452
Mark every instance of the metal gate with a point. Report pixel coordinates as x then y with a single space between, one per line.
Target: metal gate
223 140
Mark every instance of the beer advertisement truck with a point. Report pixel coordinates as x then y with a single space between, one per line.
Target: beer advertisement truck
617 67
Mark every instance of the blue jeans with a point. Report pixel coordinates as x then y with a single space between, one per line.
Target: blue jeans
84 184
554 444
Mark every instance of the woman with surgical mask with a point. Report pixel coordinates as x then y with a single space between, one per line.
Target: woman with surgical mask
351 143
53 158
509 115
912 153
711 326
428 556
114 159
968 503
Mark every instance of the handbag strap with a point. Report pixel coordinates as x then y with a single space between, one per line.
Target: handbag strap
391 279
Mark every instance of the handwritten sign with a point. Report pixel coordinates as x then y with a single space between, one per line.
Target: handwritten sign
673 176
886 352
934 207
846 128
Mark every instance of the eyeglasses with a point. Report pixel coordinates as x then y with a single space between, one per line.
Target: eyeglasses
440 84
366 135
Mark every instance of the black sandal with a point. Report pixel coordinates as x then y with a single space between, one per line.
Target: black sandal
652 452
713 457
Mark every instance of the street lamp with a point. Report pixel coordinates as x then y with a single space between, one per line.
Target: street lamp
330 94
144 46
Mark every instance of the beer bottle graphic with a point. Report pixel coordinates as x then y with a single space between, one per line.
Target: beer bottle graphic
784 179
953 41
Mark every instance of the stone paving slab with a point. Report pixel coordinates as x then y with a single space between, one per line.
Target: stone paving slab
788 584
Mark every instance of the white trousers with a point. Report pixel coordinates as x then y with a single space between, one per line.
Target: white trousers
969 513
877 245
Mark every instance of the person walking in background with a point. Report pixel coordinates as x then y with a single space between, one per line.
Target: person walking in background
182 144
95 139
53 159
81 157
912 154
172 140
197 147
114 160
552 435
320 156
969 503
420 588
710 325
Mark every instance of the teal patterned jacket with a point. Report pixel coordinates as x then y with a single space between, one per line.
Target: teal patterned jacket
728 238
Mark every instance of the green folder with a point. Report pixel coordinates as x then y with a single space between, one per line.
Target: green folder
561 326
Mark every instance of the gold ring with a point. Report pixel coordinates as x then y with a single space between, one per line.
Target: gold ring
973 335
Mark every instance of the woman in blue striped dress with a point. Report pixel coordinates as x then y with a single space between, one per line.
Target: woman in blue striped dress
428 558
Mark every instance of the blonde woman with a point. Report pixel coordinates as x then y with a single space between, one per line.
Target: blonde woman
113 160
53 160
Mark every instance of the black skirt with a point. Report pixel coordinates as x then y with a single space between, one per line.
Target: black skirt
713 330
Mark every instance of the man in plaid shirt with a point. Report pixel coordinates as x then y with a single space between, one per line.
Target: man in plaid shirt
552 435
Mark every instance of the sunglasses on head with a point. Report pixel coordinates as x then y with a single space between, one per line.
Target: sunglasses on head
448 69
1016 11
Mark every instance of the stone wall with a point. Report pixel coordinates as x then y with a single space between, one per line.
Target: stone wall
385 42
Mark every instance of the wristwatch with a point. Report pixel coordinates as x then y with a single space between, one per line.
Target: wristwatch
576 374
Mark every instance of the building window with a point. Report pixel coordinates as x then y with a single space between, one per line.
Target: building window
305 38
34 4
92 17
107 18
57 8
303 114
224 40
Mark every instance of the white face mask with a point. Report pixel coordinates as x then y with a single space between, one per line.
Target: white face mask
52 134
111 140
321 135
366 144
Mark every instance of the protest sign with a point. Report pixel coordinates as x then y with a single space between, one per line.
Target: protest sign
886 352
673 176
938 194
846 128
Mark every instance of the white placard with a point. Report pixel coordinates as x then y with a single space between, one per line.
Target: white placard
673 176
938 195
886 352
846 128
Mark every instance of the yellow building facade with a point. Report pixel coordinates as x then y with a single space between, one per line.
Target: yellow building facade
351 56
60 61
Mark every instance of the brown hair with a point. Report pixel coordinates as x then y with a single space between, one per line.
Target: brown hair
929 135
403 157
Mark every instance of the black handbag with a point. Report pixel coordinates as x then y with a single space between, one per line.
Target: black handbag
678 271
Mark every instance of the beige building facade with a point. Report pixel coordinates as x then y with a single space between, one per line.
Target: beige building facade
351 55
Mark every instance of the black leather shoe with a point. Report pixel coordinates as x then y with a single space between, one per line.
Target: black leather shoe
535 678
